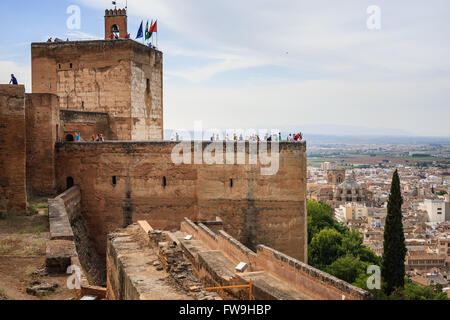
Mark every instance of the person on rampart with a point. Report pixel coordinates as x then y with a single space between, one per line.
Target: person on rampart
13 80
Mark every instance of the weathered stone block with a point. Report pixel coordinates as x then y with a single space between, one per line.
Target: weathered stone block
58 255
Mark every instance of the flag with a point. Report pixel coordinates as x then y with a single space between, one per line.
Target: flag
148 35
154 27
140 32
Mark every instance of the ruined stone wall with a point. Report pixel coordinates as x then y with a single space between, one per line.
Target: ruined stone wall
255 209
69 239
316 283
13 198
88 124
43 130
311 281
104 76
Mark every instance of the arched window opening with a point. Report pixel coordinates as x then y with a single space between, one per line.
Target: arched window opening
70 182
115 30
114 180
70 138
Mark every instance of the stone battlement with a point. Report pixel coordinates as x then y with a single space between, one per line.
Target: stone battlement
99 44
213 257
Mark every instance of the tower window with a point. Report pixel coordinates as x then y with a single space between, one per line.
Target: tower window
59 66
70 66
115 29
114 180
164 184
231 183
148 85
70 182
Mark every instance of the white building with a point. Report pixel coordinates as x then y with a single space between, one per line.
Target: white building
350 211
438 210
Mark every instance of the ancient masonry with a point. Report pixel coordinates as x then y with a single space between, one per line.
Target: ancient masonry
114 87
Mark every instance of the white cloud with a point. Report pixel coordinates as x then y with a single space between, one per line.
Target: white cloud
339 71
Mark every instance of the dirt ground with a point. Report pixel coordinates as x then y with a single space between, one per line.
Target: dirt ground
22 252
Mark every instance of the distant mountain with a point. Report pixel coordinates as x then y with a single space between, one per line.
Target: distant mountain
336 139
342 130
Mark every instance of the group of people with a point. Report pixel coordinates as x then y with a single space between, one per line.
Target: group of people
115 36
295 137
56 40
99 138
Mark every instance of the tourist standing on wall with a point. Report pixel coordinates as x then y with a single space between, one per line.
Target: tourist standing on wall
78 136
13 80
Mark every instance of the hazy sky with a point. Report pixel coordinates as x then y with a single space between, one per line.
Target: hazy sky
273 63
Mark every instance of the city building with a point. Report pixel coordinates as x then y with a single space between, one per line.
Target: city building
437 210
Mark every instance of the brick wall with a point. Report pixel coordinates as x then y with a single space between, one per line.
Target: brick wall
105 76
43 129
88 124
263 209
13 197
314 282
70 240
311 281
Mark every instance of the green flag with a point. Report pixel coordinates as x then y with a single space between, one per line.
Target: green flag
147 34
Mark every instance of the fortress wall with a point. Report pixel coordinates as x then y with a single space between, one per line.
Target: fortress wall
314 282
237 251
13 198
104 76
87 123
70 240
147 94
43 130
256 209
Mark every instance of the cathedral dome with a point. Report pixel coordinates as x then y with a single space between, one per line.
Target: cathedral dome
350 183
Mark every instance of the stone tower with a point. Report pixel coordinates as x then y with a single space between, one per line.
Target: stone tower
336 176
116 23
120 80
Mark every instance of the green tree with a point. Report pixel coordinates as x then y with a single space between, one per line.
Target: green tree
416 292
393 268
347 268
325 248
320 216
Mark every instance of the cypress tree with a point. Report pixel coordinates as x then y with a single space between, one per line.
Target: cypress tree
393 269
